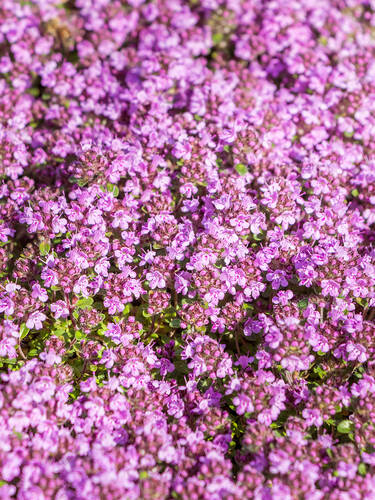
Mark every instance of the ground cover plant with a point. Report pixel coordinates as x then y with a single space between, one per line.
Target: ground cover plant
187 255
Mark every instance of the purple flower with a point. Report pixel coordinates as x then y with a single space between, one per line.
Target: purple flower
155 279
243 404
39 293
312 417
60 309
277 278
35 320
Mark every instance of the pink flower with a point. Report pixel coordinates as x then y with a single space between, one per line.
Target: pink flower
182 150
312 417
277 278
330 287
155 279
243 404
60 309
39 293
35 320
356 352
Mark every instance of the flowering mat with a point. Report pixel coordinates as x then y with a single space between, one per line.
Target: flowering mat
187 258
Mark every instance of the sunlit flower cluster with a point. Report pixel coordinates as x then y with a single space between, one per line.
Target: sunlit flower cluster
187 258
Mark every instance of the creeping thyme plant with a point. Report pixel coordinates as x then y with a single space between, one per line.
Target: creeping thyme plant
187 257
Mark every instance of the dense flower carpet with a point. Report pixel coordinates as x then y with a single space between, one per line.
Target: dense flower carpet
187 257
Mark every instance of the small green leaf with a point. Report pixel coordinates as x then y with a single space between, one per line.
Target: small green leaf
217 38
146 314
81 182
44 247
127 309
84 303
320 371
34 91
241 169
112 188
143 474
355 193
23 331
362 469
344 427
302 304
246 306
79 335
259 236
175 323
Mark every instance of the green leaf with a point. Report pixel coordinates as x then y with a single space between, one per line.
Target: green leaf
23 331
2 482
112 188
279 433
18 434
127 309
302 304
143 474
362 469
79 335
355 193
246 306
217 38
241 169
81 182
344 427
84 303
320 371
259 236
44 247
34 91
175 323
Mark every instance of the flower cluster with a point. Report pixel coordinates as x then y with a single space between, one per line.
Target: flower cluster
187 249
